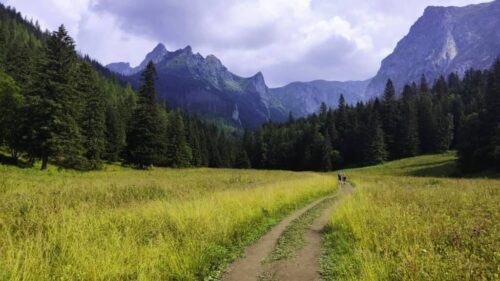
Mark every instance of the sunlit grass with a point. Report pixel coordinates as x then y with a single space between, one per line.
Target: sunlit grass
404 223
123 224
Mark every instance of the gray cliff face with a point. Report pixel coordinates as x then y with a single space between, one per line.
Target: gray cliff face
443 40
303 98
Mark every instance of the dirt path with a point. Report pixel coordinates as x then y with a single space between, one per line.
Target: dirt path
305 265
249 267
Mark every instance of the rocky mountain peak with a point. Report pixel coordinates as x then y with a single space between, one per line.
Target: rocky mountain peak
187 50
213 60
156 55
259 82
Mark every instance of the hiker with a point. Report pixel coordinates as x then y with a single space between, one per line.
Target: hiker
344 178
339 176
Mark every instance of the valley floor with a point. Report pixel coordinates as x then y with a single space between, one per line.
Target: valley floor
404 220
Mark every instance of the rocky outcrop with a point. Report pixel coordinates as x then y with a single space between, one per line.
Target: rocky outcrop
443 40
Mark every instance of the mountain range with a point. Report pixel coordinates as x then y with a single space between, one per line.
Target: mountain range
443 40
205 86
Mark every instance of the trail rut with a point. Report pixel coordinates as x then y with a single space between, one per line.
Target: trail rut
305 265
249 267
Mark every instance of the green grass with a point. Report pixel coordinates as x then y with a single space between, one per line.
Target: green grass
122 224
407 221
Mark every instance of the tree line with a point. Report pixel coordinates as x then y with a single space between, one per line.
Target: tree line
453 113
59 106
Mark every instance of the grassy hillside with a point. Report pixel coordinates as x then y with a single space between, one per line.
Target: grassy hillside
122 224
407 221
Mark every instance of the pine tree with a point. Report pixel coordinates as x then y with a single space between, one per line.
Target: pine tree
468 144
144 137
427 125
178 152
323 111
440 88
390 119
114 133
193 141
341 118
11 102
444 132
490 118
454 83
93 119
408 126
19 64
53 106
374 151
424 87
326 154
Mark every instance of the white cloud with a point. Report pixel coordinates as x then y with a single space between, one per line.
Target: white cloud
286 39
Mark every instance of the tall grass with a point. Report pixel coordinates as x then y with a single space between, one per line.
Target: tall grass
135 225
415 227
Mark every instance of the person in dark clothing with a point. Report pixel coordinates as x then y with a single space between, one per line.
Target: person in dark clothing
344 179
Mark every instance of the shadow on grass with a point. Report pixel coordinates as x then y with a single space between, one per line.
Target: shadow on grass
447 169
10 161
443 169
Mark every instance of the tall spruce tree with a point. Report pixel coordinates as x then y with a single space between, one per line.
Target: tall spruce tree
444 132
374 150
427 125
390 119
408 126
11 102
144 138
93 117
54 104
178 152
490 129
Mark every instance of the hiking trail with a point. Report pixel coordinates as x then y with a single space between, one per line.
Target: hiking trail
303 266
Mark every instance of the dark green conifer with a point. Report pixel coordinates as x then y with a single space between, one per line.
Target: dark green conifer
55 100
178 152
93 117
374 151
390 120
144 143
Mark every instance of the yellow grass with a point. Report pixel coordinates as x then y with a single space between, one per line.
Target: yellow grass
402 225
123 224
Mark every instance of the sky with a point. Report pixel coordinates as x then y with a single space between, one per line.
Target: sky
288 40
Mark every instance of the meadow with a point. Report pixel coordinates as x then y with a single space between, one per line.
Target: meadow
411 220
124 224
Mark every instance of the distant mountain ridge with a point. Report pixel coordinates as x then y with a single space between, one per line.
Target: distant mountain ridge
203 85
443 40
303 98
